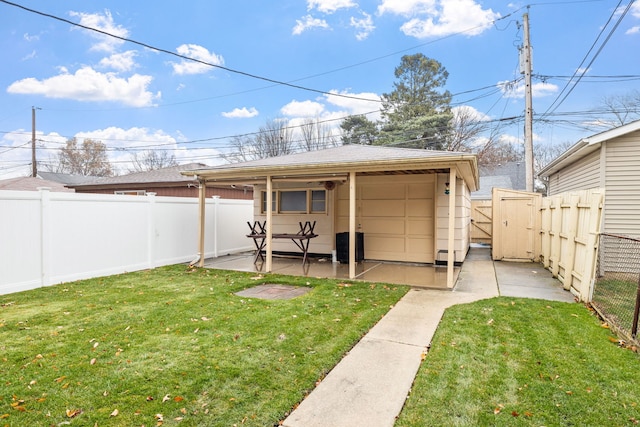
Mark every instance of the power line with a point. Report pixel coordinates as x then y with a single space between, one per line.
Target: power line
178 55
581 71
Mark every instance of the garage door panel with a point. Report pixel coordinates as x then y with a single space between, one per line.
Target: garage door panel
422 190
377 243
384 226
420 208
381 192
420 250
383 208
422 228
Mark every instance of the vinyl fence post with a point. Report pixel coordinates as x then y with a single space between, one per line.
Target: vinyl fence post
216 225
45 236
152 232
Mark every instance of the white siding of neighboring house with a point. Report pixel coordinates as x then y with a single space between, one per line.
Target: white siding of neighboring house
622 185
581 175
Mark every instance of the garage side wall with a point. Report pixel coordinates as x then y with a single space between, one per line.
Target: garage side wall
462 221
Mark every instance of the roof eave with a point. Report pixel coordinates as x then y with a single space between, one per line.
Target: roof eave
339 169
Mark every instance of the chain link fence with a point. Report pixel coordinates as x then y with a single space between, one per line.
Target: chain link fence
616 292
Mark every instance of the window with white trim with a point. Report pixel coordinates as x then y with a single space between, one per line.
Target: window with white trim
295 201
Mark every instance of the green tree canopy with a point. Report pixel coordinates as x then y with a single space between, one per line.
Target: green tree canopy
417 112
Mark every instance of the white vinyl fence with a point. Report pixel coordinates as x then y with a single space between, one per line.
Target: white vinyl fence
48 238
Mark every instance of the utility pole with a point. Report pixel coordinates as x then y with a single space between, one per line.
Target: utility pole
34 168
526 67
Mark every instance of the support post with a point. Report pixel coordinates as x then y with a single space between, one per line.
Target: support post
352 225
269 237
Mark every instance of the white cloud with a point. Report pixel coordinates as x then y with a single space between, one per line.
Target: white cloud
31 38
308 22
438 18
407 8
538 90
120 61
103 22
329 6
470 112
15 160
241 113
29 56
196 52
302 109
366 102
90 85
633 30
121 143
364 26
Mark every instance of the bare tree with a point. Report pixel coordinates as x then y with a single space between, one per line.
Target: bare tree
151 160
316 135
467 127
546 153
274 138
88 159
624 108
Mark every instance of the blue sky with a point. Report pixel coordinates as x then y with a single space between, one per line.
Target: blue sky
132 97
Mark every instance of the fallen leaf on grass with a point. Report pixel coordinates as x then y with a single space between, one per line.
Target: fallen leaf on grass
178 399
93 361
165 398
3 416
71 413
114 413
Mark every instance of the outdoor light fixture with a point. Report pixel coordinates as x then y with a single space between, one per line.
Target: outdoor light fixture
446 188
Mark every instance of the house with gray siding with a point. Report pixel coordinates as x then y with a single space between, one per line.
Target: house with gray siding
608 160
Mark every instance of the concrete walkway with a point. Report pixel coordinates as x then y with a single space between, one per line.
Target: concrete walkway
370 384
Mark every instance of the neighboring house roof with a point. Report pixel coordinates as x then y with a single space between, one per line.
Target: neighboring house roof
66 178
509 176
335 162
586 146
29 183
165 176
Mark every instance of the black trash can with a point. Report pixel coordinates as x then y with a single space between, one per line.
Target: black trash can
342 247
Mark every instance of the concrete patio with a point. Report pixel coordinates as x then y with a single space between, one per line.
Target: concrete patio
426 276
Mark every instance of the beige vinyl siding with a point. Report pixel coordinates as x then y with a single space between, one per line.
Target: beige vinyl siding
461 222
582 175
622 181
288 222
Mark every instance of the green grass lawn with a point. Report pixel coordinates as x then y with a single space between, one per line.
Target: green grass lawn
174 346
509 362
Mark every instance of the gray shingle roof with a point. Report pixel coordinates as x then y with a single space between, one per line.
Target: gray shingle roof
29 183
65 178
346 153
166 175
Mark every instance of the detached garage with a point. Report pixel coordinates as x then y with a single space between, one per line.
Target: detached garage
397 200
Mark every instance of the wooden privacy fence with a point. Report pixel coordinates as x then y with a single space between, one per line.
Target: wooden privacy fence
481 221
570 223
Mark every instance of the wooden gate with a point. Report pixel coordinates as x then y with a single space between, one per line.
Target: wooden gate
516 221
481 222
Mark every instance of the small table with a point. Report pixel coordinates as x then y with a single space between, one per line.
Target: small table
302 238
